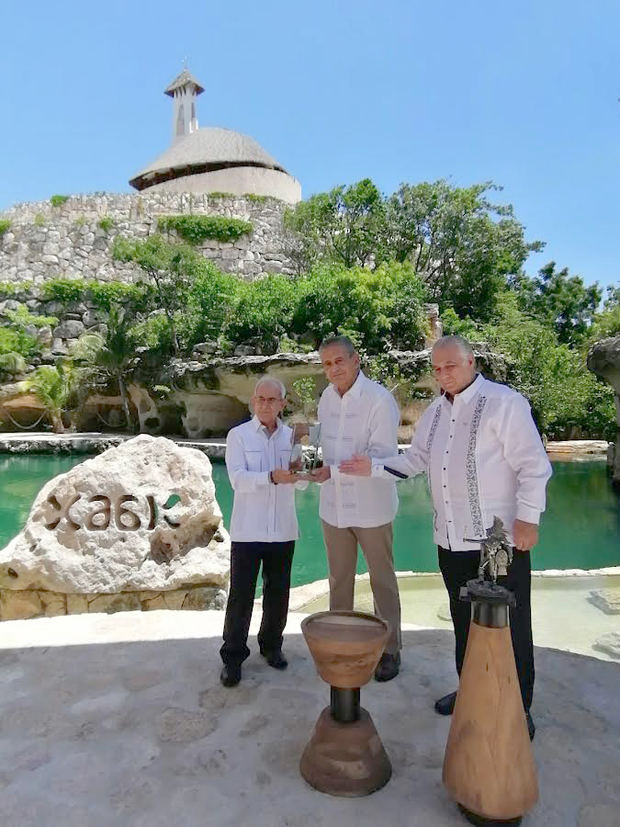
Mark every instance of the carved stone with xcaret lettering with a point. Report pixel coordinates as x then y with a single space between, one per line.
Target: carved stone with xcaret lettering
137 527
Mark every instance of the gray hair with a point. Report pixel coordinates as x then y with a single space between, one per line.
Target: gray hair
340 341
460 342
263 380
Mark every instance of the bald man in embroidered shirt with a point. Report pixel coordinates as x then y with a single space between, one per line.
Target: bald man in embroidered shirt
484 458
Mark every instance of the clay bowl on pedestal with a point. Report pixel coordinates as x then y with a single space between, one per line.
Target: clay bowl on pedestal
346 646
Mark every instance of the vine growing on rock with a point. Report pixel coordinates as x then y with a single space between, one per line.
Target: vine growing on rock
197 228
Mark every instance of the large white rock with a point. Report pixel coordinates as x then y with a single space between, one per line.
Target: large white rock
141 516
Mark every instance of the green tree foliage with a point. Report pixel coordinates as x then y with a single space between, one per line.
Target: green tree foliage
460 243
607 322
379 308
567 401
100 357
170 269
343 225
17 341
560 301
54 387
263 311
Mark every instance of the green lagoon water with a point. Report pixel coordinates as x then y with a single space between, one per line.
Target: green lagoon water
580 529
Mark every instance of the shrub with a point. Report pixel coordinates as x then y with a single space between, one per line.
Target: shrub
64 290
105 223
378 309
258 199
80 221
22 317
108 293
7 288
263 312
5 223
211 302
39 220
155 334
196 228
58 200
16 341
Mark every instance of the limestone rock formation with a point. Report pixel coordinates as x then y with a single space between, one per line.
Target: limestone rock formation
604 361
135 527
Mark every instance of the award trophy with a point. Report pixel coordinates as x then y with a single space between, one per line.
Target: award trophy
305 437
305 442
488 767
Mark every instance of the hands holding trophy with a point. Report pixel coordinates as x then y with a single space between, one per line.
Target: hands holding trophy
305 450
305 436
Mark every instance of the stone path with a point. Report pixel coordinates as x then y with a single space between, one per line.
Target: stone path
121 720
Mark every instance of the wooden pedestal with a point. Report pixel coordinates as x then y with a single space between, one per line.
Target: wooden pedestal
345 759
489 767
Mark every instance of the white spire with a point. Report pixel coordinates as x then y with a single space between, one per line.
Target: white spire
184 89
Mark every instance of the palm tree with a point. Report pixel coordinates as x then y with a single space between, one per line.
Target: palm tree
110 355
53 386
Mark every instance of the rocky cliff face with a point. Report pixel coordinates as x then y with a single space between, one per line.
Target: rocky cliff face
604 361
206 396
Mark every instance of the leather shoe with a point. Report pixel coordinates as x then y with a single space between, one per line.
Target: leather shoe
388 667
230 675
531 726
445 705
275 659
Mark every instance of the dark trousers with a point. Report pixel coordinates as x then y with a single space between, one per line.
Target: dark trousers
245 561
457 567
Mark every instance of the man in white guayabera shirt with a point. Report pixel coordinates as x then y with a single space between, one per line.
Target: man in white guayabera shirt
358 415
263 529
484 458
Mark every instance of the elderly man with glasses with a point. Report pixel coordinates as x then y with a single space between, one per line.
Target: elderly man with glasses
263 529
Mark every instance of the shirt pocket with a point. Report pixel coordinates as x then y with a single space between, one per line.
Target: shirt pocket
253 460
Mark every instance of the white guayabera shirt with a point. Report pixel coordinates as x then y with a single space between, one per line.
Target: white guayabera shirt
483 457
363 421
262 511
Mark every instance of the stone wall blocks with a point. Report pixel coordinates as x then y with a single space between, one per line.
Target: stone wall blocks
77 604
91 318
54 308
70 329
20 604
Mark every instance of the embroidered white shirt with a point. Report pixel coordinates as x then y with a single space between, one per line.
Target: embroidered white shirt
362 421
262 511
483 457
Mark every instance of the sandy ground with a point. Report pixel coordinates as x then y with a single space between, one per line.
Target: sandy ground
121 720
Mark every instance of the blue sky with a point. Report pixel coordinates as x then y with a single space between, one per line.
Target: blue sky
523 93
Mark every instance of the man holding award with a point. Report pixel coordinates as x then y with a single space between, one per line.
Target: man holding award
358 416
263 529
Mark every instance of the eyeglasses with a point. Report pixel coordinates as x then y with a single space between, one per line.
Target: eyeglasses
268 400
